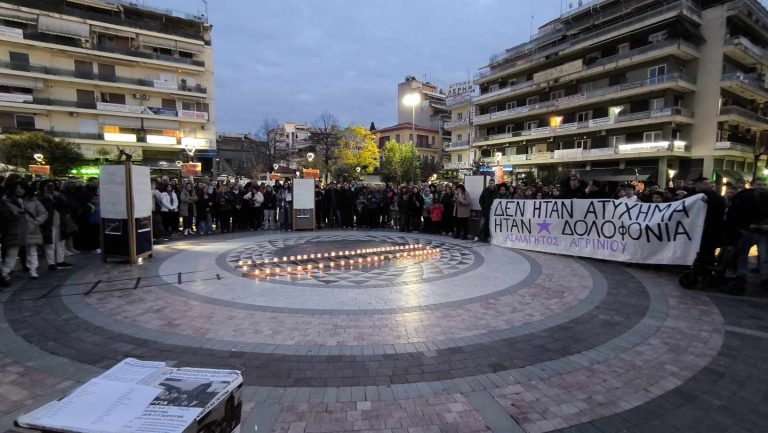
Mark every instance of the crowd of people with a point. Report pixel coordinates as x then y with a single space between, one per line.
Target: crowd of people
63 217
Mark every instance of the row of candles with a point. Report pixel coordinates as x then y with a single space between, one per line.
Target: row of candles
333 255
341 264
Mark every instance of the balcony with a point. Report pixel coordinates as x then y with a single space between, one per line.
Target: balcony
597 124
456 124
539 56
599 153
139 137
747 86
140 110
742 115
457 165
70 73
595 67
751 9
612 92
454 145
730 145
86 45
745 51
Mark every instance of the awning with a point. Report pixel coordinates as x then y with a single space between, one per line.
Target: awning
18 16
161 124
114 32
16 81
61 27
123 122
157 42
190 48
96 4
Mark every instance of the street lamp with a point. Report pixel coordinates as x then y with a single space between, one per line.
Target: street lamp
412 100
39 158
671 176
498 158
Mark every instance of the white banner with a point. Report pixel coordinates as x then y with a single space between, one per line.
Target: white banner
656 233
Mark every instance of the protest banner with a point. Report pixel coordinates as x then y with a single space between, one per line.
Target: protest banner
654 233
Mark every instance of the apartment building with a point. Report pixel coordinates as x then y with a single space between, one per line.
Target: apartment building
457 156
630 90
236 155
428 142
429 113
108 74
294 138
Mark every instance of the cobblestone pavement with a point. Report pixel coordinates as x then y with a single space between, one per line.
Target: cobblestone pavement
474 338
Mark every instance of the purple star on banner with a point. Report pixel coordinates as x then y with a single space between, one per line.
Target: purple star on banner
544 226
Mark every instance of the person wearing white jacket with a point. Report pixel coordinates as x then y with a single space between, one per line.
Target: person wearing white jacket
169 206
254 199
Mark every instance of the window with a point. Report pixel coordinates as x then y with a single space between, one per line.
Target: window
511 105
585 87
615 110
655 73
657 37
657 104
510 129
584 116
459 158
83 69
459 137
25 121
113 98
86 99
459 116
107 72
491 110
583 143
194 106
433 141
557 94
410 138
168 104
533 124
616 140
493 88
19 61
532 100
652 137
397 138
623 48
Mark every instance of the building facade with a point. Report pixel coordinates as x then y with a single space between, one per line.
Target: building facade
236 155
630 90
108 74
457 153
431 111
428 142
294 138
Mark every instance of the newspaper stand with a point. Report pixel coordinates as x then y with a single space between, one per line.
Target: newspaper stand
303 204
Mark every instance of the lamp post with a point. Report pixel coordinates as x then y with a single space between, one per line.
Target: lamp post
412 100
671 176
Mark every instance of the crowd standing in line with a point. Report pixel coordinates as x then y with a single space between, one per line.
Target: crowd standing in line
64 216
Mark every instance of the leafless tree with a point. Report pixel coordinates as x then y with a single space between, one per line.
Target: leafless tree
269 148
325 136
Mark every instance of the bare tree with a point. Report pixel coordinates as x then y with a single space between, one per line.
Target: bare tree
325 135
269 149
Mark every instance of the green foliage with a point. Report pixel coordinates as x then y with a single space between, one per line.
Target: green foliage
429 167
357 148
61 155
400 162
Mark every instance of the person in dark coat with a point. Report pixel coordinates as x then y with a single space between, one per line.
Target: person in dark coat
347 206
22 229
746 220
486 201
53 228
403 206
573 187
331 205
714 227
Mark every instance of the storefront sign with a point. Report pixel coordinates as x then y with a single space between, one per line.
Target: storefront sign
135 109
310 173
655 233
86 170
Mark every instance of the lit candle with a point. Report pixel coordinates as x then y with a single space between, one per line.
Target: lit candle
285 258
311 256
288 269
333 254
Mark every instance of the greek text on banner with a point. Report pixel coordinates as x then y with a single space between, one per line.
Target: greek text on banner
655 233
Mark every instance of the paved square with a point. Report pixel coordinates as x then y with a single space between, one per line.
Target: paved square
469 338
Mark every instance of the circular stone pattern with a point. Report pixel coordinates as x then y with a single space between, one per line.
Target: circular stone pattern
452 259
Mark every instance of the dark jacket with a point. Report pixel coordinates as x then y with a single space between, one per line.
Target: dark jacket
486 200
26 217
270 201
52 204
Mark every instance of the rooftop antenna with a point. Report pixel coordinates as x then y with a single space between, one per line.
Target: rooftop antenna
205 2
530 32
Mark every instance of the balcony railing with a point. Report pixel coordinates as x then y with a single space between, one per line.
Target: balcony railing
61 72
730 145
602 62
58 40
104 106
594 123
745 79
455 144
141 136
453 124
569 154
579 98
540 55
742 112
751 7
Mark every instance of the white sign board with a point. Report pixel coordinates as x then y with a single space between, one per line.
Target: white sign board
620 230
142 191
475 186
303 194
112 200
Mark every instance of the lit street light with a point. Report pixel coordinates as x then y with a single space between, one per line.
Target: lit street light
412 100
671 176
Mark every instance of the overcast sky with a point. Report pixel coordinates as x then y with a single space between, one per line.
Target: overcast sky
293 59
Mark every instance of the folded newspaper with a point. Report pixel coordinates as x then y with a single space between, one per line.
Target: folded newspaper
136 397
